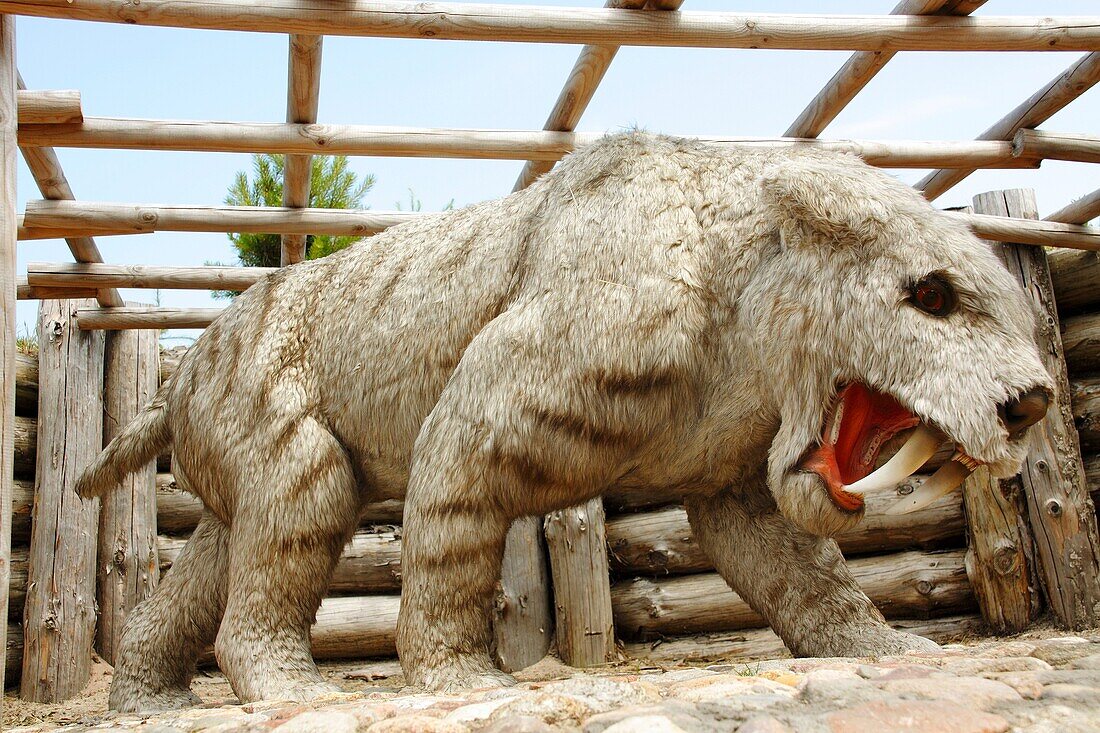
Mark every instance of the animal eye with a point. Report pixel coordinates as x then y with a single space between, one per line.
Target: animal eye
933 295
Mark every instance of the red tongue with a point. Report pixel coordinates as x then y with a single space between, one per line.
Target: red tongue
868 418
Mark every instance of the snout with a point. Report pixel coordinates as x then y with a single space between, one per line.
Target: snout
1018 414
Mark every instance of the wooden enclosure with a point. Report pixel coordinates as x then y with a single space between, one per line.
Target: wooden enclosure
621 575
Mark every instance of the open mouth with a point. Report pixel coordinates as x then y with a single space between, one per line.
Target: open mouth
860 422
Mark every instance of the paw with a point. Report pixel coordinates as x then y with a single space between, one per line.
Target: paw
128 699
293 691
887 642
454 680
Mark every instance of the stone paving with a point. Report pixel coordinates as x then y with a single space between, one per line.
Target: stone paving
1032 686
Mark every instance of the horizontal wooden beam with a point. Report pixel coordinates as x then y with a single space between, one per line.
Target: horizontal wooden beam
56 106
1032 112
1030 231
1079 211
599 26
356 222
544 145
70 275
1040 144
126 318
26 291
141 218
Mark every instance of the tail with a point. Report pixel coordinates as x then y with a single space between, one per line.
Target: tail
141 441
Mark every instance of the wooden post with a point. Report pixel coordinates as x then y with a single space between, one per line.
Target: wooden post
998 556
1063 519
302 93
59 616
126 572
523 622
8 225
582 585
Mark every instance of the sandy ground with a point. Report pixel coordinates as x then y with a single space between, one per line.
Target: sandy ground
90 708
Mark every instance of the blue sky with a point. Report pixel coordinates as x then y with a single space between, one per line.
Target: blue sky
130 71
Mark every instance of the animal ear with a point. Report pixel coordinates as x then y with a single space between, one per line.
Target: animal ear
837 196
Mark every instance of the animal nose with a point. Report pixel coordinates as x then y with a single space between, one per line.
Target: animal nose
1024 411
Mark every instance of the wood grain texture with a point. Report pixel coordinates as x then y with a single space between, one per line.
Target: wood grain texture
50 107
751 644
1086 413
1056 146
303 91
118 319
577 544
50 178
533 145
902 585
1063 519
1032 112
1081 342
662 543
523 617
1075 275
1026 231
59 616
126 573
77 275
8 225
1079 211
860 68
476 22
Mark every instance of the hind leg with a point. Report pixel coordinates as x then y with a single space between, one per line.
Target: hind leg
285 541
165 634
798 582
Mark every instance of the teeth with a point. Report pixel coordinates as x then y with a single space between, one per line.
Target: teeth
950 477
919 448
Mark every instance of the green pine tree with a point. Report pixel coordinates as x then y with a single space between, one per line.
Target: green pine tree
332 186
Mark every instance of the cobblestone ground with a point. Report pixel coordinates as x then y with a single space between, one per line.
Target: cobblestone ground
1032 685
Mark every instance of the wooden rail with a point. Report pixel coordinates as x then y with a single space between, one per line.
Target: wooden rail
1032 112
531 145
1080 211
1034 144
143 218
861 67
598 26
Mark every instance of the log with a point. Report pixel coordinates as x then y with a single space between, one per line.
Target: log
26 442
26 385
370 562
50 178
587 73
127 569
120 319
8 266
1081 341
523 620
303 89
1080 211
59 616
98 217
70 274
611 27
902 585
17 585
1041 144
22 503
13 654
138 218
50 107
861 67
1075 274
539 145
1086 413
582 598
764 644
356 627
1032 112
1063 520
661 542
23 291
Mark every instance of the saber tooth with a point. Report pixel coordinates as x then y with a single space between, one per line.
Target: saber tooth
949 478
921 446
